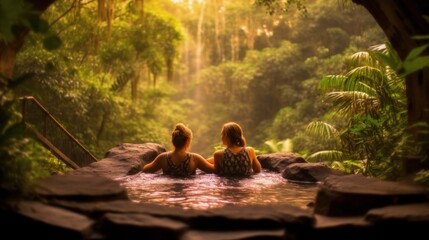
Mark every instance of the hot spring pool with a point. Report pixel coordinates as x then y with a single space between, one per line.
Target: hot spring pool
205 191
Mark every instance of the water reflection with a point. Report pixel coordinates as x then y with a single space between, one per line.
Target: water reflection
204 191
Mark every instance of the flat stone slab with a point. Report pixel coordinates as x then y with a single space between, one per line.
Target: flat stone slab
52 221
141 226
324 222
81 187
126 206
412 213
408 220
235 235
278 212
229 217
359 184
351 195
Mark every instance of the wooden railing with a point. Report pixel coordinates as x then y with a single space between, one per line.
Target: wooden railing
53 135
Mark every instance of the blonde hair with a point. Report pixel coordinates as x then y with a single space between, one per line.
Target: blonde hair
234 134
180 136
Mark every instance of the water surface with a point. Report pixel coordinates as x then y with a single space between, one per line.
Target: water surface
204 191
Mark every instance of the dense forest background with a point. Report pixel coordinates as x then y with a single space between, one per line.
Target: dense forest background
317 81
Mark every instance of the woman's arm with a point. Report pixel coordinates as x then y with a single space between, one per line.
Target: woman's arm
210 160
203 164
155 165
217 160
256 165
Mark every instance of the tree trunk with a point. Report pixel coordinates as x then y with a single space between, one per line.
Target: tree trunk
135 86
219 31
102 128
235 40
169 62
199 47
8 53
401 20
251 33
139 5
9 50
105 14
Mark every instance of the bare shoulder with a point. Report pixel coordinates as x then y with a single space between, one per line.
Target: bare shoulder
156 164
162 155
251 150
218 153
196 156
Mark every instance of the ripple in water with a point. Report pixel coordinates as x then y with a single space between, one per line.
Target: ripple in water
204 191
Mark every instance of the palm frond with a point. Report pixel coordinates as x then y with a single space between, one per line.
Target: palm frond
353 102
287 145
272 144
337 165
354 163
332 83
280 146
385 55
327 155
362 59
322 130
364 74
381 48
350 166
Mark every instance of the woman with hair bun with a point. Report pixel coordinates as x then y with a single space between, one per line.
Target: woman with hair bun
179 162
236 159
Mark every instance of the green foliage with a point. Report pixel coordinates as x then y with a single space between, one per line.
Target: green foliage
327 155
422 177
101 73
415 60
16 149
275 6
23 159
269 90
370 97
322 130
51 42
280 146
16 14
349 166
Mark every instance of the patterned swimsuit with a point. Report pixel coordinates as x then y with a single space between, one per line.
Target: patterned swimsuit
178 171
238 164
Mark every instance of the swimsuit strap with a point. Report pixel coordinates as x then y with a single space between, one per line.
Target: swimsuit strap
181 170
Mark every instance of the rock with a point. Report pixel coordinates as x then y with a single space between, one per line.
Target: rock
141 226
406 213
40 220
309 172
85 187
278 161
257 216
253 217
410 220
352 195
279 234
122 160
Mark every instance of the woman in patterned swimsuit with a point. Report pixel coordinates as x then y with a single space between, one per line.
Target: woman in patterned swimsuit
236 159
179 162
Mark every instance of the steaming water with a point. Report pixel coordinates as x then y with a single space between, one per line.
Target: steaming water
204 191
